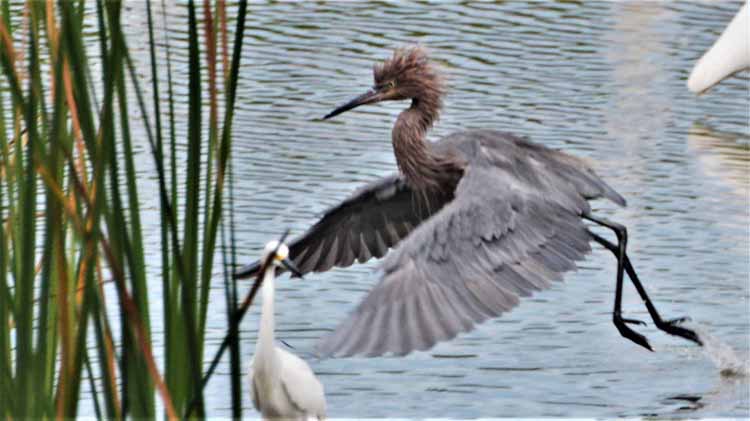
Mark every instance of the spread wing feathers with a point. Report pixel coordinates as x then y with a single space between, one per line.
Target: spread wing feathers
579 174
550 169
303 389
470 262
366 225
534 163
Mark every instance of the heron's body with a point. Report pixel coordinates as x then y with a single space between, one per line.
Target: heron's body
282 384
477 220
525 167
511 226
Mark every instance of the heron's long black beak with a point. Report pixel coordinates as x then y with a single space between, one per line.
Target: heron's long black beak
291 267
368 97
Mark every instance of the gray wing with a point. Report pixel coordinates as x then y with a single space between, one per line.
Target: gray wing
498 240
365 225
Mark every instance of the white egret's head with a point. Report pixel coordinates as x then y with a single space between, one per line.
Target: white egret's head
277 254
280 252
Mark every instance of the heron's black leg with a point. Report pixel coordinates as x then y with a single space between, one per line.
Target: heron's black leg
669 326
619 251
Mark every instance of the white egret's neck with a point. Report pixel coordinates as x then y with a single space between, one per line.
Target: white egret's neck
730 54
267 323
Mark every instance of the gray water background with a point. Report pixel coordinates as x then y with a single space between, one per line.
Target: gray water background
602 80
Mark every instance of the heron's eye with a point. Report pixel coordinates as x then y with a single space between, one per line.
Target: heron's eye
391 84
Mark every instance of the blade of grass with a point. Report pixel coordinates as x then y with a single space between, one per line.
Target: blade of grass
27 236
55 227
209 241
7 382
194 368
105 348
54 269
192 199
171 348
225 145
230 284
171 332
94 196
86 219
92 385
123 248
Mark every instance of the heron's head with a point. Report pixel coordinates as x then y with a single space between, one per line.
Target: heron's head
276 254
408 74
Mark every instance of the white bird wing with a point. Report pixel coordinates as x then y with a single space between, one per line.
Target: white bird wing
303 389
730 54
253 390
510 231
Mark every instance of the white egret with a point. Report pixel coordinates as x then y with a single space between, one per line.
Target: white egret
282 384
729 54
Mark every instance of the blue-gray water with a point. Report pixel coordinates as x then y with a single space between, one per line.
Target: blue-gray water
602 80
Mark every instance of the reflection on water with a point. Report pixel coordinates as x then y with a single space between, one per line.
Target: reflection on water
605 81
725 156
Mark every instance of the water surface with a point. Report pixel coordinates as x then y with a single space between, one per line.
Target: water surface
602 80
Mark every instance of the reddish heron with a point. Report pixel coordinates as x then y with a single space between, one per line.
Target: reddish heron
729 55
477 220
282 384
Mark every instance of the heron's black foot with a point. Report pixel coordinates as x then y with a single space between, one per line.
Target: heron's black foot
633 321
629 333
672 327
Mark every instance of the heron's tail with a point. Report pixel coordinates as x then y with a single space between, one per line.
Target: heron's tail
612 195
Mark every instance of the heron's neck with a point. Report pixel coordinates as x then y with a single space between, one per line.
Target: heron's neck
267 324
422 166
